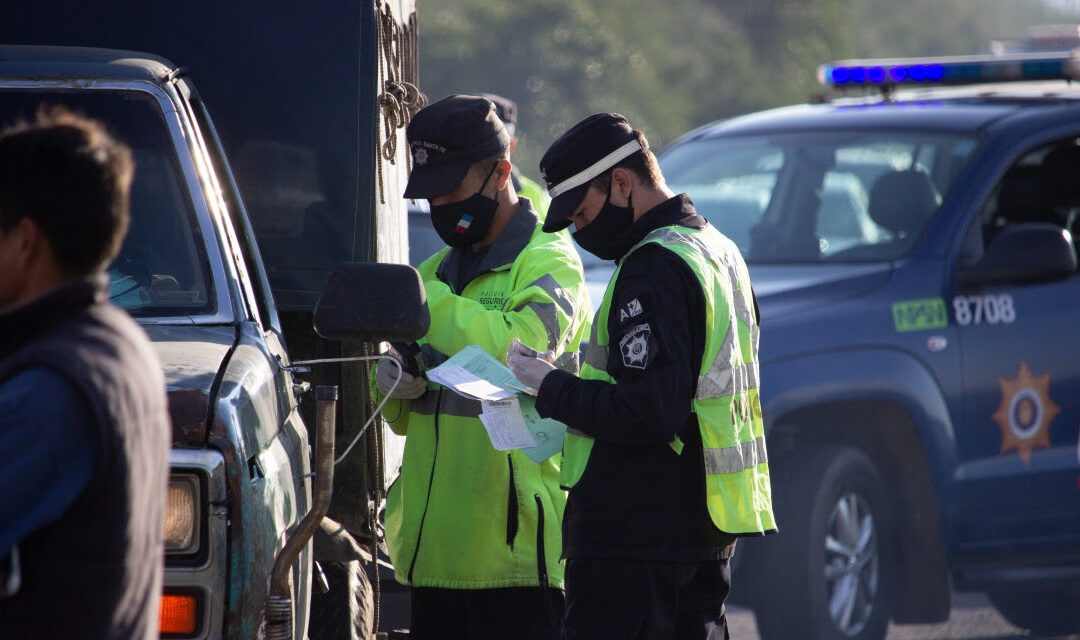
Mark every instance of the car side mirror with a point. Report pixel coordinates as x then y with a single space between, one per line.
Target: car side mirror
372 302
1022 253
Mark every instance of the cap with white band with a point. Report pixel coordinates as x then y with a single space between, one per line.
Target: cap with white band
598 167
582 154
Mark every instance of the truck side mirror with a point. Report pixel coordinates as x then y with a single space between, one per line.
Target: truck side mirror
372 302
1021 253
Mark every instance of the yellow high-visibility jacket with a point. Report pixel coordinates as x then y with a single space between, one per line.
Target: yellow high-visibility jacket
463 515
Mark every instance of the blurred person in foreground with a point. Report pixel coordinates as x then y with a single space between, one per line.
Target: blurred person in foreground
84 428
475 531
665 458
507 111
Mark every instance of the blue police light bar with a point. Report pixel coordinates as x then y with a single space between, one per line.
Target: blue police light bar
952 70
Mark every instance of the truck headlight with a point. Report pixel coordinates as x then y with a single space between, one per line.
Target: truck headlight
182 516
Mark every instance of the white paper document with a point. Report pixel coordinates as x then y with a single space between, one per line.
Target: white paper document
466 383
510 419
505 424
473 364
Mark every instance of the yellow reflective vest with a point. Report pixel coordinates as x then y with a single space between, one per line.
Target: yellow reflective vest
726 404
462 515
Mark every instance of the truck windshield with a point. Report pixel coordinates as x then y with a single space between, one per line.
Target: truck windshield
162 268
819 197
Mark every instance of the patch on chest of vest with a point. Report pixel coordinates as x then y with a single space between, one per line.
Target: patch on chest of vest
634 346
491 299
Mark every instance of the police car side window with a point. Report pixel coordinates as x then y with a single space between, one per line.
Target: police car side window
1042 186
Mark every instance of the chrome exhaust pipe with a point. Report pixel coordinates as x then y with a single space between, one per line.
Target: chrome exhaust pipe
277 616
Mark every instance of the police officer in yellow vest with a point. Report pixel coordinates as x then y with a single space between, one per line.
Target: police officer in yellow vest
477 532
507 110
665 458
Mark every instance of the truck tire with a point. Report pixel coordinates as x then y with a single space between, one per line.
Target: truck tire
1045 611
344 612
830 572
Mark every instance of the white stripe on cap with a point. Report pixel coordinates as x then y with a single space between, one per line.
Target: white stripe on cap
598 167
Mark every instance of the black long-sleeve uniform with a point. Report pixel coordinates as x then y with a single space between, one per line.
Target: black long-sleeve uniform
637 497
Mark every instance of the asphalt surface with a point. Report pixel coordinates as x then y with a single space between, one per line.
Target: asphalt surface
972 618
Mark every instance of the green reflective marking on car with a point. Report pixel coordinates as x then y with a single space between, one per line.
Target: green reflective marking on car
920 315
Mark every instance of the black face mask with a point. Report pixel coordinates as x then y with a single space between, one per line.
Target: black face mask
606 236
460 224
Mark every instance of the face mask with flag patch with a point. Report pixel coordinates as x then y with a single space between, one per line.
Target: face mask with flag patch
460 224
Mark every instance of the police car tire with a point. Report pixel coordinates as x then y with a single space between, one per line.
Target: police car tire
1046 611
806 491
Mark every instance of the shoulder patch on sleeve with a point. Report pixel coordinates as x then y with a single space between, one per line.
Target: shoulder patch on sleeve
631 309
634 346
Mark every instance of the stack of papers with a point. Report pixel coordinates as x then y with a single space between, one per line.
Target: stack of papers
467 383
510 418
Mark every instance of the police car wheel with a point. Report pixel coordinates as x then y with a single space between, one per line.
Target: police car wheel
831 572
1046 611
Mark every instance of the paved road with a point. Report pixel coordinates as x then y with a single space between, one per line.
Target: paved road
973 618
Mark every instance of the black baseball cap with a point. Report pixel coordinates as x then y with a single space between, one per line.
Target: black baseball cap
446 138
586 151
506 109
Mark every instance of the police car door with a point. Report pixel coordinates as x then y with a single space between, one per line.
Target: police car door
1019 459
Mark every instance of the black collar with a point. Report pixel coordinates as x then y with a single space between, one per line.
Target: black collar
22 324
676 210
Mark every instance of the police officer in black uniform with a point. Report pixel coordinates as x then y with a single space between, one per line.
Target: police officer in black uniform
644 558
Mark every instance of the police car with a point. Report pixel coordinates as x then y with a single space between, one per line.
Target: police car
910 241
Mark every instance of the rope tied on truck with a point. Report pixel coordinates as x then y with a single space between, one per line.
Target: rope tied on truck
400 98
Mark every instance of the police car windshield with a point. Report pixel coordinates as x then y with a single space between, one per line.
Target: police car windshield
162 269
819 197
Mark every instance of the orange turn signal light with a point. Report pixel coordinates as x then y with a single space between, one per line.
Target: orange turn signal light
178 614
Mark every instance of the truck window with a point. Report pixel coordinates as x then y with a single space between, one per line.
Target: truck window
162 268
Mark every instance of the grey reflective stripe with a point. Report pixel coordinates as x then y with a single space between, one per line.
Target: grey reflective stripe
596 356
549 317
560 295
568 362
721 379
717 381
546 311
734 459
727 381
744 306
670 236
451 405
593 329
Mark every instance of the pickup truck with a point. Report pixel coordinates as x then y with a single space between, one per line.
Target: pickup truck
236 230
911 244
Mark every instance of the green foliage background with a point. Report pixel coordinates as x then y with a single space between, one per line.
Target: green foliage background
671 65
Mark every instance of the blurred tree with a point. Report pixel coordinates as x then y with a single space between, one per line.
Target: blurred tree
934 28
673 65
